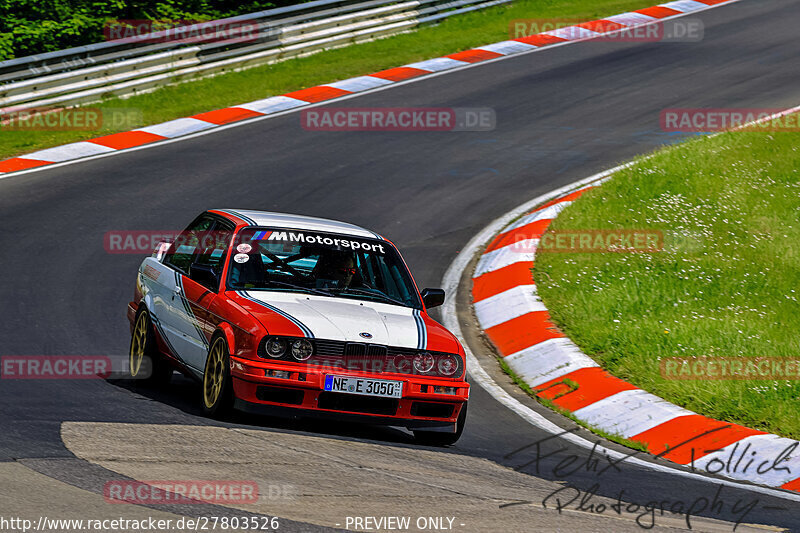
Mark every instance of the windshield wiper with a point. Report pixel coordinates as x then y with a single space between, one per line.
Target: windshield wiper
376 292
298 287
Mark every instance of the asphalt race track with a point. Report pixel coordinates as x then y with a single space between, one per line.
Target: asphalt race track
562 114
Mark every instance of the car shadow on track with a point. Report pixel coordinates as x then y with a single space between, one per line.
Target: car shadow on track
184 394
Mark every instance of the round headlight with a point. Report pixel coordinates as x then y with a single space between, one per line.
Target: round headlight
276 347
302 349
423 362
447 365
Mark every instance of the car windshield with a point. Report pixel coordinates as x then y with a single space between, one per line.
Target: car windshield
320 263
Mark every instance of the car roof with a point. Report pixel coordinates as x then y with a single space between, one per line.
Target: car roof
289 221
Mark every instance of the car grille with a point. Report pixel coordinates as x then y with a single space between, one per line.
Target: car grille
363 356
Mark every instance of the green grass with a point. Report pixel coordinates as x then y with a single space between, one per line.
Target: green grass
725 285
452 35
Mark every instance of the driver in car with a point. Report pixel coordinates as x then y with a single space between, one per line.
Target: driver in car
336 270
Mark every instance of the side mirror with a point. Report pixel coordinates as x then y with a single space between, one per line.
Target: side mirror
205 275
432 297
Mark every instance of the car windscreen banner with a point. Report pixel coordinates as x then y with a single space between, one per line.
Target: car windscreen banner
342 242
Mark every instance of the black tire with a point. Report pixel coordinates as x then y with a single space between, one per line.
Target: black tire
143 345
435 438
217 395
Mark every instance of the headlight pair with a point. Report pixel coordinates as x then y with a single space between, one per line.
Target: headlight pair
278 347
446 364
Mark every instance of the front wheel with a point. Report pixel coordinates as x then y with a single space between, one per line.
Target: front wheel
435 438
143 349
217 386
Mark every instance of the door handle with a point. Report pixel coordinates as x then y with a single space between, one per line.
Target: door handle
176 292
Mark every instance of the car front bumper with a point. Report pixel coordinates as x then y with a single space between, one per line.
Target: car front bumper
302 394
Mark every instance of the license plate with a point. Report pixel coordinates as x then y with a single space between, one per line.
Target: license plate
364 386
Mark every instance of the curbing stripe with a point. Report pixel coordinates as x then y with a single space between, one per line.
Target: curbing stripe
20 163
400 73
507 255
547 361
591 385
436 65
630 19
602 25
507 47
500 280
177 127
522 332
685 6
658 12
227 115
666 439
360 83
555 368
508 305
127 139
629 413
276 104
534 230
273 104
755 458
572 33
69 151
541 40
320 93
474 56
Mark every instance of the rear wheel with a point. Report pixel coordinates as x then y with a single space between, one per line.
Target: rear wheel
143 354
217 386
435 438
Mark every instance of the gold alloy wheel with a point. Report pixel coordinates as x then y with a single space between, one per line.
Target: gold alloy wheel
138 344
214 376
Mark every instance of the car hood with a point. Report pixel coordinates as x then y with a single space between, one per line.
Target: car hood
349 320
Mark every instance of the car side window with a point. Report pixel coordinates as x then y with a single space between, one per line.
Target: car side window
212 250
185 247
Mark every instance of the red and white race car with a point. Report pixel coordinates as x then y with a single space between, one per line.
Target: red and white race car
300 315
